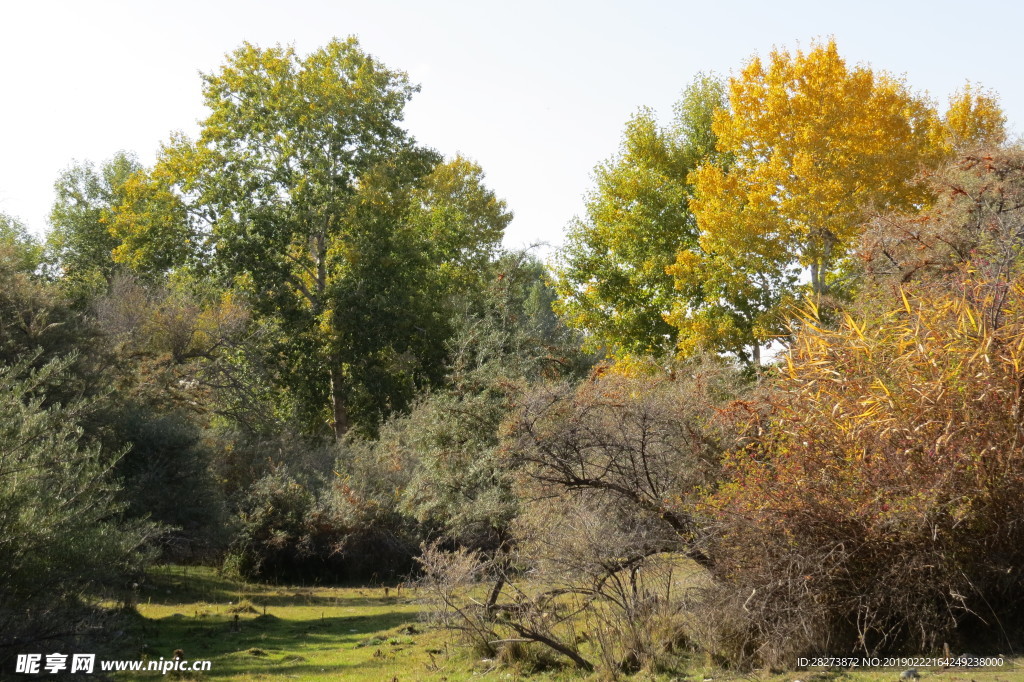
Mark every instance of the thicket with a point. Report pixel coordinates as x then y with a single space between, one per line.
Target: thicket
360 508
600 563
880 508
862 495
883 510
62 534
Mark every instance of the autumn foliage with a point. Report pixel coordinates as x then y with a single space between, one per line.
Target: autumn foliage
977 216
881 507
808 438
809 147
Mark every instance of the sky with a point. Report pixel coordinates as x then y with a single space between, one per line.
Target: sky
537 93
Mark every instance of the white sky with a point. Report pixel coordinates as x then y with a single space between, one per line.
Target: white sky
536 92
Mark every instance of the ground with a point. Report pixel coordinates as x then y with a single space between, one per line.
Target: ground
309 633
259 632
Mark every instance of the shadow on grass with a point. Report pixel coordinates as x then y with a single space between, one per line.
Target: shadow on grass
177 584
182 584
299 599
259 643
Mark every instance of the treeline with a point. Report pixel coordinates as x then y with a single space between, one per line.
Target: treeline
284 348
295 348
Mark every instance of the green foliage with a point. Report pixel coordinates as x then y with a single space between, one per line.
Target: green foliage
458 483
306 171
81 241
19 251
455 480
38 325
611 276
241 457
151 227
462 220
166 463
272 538
304 191
434 471
297 531
302 320
60 535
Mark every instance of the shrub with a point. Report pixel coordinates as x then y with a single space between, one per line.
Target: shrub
977 217
646 445
167 478
881 509
274 539
61 538
600 562
291 529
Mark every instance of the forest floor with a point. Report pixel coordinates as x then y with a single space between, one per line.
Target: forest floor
261 632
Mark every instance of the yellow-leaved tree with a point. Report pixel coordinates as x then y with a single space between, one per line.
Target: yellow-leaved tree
974 120
812 146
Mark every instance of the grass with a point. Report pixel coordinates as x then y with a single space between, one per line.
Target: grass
285 632
259 632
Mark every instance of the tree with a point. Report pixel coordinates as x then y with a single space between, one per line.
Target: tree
459 480
81 240
814 146
304 191
19 251
974 120
611 276
644 444
59 530
463 220
35 320
151 227
730 302
610 474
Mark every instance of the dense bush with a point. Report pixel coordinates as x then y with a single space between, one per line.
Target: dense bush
882 506
61 538
274 539
167 478
609 536
304 531
977 217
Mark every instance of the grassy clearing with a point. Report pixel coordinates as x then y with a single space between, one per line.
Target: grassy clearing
257 632
361 633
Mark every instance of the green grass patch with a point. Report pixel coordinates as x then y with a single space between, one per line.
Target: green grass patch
261 632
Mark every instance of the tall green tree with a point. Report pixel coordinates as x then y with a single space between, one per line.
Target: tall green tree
611 275
304 191
87 199
19 251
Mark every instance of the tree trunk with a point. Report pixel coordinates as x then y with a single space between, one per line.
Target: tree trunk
820 265
815 281
339 405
